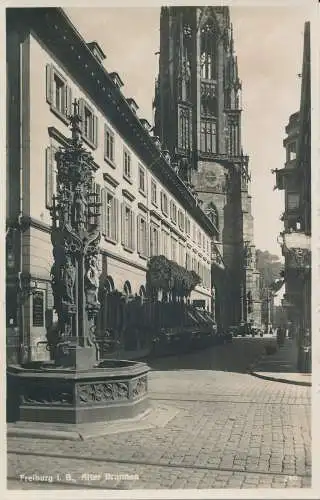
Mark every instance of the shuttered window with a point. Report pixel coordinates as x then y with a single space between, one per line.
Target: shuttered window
174 256
173 212
182 261
127 164
142 232
154 192
51 176
164 203
181 220
142 180
165 243
154 240
89 123
188 226
108 145
109 216
127 227
58 93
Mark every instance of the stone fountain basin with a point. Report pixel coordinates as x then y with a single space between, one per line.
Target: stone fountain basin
110 390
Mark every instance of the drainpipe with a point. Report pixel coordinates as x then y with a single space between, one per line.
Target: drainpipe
20 284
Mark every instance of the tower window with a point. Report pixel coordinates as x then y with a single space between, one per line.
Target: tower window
208 136
212 213
184 136
208 53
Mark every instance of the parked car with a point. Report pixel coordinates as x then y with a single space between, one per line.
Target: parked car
233 331
255 330
243 329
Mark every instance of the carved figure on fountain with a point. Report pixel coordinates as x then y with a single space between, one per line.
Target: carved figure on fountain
80 211
92 281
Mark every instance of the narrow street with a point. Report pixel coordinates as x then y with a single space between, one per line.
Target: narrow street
227 429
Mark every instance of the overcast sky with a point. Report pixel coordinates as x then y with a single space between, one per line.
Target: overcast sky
268 43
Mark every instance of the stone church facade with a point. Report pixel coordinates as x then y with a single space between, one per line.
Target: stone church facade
198 120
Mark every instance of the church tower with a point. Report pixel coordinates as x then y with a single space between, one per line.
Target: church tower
197 115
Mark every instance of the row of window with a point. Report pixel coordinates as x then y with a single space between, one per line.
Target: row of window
110 223
59 96
120 223
169 209
176 251
138 234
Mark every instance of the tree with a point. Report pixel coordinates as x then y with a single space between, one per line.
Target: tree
169 277
270 268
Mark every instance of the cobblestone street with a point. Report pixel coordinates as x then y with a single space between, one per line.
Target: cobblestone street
230 430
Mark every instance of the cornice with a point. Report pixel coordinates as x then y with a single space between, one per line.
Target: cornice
128 195
155 214
143 207
108 178
119 258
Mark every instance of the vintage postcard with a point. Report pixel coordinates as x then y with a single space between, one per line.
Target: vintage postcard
159 327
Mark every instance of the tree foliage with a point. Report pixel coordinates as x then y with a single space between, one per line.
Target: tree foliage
270 268
168 276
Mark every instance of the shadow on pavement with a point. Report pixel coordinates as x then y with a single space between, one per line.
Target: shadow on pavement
236 356
285 360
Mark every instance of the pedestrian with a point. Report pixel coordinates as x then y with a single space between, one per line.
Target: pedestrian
278 335
281 332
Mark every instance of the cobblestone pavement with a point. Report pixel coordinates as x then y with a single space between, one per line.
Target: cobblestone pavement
232 430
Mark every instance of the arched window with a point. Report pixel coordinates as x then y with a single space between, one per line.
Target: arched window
142 291
212 213
208 52
127 288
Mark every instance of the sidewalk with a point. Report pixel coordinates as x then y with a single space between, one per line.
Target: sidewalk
281 366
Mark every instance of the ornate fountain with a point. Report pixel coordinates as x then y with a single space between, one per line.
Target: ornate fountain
77 386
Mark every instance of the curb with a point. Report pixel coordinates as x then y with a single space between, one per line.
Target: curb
278 379
251 371
44 434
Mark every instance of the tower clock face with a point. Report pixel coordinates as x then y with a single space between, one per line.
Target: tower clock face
211 177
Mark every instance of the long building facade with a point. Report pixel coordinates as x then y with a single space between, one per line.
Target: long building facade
147 209
198 119
295 180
